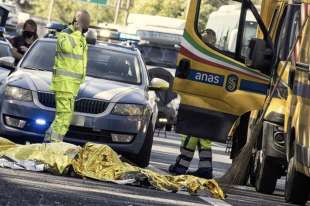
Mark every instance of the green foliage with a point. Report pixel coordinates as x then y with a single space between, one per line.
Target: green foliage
169 8
64 9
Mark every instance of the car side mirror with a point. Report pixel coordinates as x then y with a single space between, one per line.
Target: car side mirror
8 63
259 56
158 84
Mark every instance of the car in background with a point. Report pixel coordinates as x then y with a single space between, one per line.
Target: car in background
12 20
5 51
161 63
115 106
5 48
157 55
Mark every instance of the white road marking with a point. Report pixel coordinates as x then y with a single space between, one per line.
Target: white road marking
166 140
214 202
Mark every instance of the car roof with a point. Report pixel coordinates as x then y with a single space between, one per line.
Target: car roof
108 46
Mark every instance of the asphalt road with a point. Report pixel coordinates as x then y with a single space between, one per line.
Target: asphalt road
28 188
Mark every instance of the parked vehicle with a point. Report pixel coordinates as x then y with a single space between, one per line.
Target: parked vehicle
115 106
227 83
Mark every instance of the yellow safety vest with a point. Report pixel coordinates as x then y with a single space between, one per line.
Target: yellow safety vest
70 62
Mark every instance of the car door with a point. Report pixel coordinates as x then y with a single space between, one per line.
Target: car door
215 84
3 18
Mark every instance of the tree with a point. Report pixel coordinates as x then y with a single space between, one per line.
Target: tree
63 11
168 8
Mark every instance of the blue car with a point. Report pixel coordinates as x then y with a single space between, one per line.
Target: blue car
116 105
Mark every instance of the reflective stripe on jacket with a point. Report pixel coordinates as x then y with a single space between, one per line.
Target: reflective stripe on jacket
70 62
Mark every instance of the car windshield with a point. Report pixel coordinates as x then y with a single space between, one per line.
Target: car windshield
5 50
159 56
102 63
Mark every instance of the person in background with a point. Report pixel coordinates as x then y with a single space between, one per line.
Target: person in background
22 42
209 37
189 144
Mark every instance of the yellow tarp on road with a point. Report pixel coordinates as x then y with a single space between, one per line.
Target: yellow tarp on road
98 162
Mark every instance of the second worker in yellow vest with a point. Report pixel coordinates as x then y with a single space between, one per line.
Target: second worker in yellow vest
69 73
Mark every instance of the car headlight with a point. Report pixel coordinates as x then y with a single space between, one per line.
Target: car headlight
19 94
128 109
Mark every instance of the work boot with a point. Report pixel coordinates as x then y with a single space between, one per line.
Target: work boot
177 169
203 173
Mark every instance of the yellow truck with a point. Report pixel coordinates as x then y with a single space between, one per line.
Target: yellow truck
297 116
227 81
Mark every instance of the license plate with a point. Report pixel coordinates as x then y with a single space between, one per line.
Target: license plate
78 121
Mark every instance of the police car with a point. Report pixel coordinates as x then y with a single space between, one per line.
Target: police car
115 106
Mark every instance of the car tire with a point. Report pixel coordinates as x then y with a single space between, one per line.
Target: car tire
296 185
142 159
266 175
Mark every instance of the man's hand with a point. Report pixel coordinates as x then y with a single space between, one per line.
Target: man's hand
16 54
23 49
78 26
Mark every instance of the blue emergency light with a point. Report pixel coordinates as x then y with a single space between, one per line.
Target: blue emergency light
40 122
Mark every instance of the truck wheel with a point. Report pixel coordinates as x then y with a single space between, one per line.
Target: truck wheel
296 185
266 175
142 159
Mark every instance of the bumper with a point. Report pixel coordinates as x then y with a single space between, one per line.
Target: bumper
275 117
84 127
274 139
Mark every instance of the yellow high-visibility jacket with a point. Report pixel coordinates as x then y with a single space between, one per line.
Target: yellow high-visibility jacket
70 62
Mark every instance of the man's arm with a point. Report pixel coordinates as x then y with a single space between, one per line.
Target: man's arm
14 50
16 54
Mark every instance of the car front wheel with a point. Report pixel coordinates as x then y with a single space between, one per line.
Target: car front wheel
142 159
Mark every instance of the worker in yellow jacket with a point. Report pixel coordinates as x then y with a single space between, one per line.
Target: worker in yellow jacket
68 74
188 147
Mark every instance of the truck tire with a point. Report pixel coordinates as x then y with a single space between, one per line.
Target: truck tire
296 185
142 159
266 175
